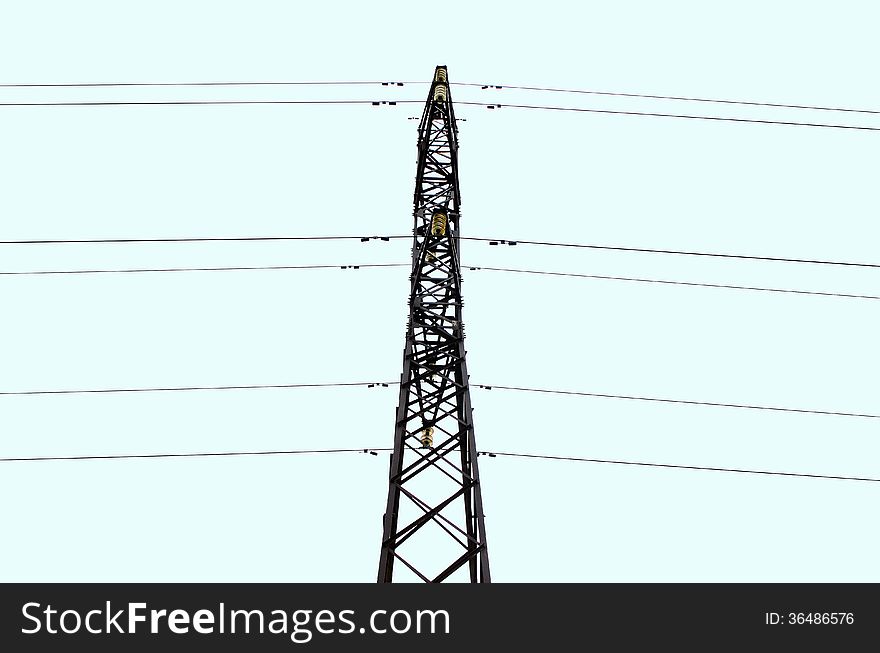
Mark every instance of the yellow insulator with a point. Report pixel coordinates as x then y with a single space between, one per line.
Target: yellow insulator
427 438
430 258
438 224
440 86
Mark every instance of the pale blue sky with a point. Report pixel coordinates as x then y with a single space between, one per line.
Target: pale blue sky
286 170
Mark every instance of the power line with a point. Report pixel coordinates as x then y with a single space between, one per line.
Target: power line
646 250
462 84
194 239
667 97
119 103
675 283
476 268
491 241
670 115
385 384
190 455
375 450
671 466
676 401
218 269
183 84
394 102
368 384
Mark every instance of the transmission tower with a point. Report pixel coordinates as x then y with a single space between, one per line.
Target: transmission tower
433 522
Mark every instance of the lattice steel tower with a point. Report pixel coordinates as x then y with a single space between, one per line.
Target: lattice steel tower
434 484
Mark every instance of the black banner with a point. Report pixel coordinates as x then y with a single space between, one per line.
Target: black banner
340 617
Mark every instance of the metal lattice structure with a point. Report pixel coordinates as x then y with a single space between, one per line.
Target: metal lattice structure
433 520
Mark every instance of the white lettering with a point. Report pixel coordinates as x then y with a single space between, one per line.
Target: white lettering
178 622
203 622
134 617
24 612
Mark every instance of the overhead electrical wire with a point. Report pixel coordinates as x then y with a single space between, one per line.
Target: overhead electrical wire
374 451
215 269
647 250
194 239
681 98
675 401
671 466
367 384
180 84
481 386
488 105
676 283
491 106
189 455
491 241
666 97
358 266
669 115
146 103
